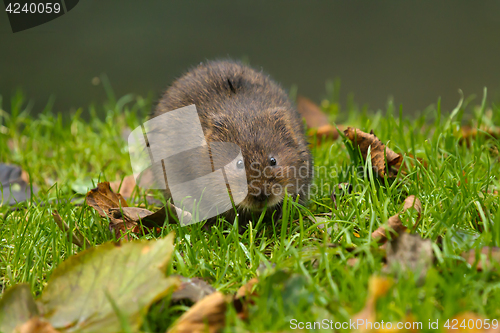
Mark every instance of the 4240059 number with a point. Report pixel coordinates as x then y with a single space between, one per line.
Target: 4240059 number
39 8
471 324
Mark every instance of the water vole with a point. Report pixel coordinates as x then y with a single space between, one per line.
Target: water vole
238 104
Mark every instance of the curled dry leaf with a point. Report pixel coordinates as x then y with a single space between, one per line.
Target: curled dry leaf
123 218
316 120
487 258
247 289
243 298
102 198
394 226
209 314
379 151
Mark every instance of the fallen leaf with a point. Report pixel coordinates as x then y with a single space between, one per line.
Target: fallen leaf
149 219
243 297
394 226
379 152
316 120
311 112
247 289
125 187
14 185
467 133
486 258
17 307
102 198
207 315
193 289
124 219
132 274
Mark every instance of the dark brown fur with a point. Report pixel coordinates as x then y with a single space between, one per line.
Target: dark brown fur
238 104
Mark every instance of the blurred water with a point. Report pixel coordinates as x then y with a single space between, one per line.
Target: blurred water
414 51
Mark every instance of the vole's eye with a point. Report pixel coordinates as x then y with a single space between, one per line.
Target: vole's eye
240 164
272 161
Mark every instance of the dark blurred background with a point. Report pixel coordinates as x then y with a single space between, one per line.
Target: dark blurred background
415 51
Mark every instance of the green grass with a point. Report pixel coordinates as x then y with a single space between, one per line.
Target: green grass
310 281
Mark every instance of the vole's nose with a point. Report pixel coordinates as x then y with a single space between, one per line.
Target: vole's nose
261 197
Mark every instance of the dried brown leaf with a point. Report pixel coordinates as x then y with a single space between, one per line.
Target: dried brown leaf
394 226
379 152
207 315
102 198
311 112
125 187
122 218
316 120
247 289
105 201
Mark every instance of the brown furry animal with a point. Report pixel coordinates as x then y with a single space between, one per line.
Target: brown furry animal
238 104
